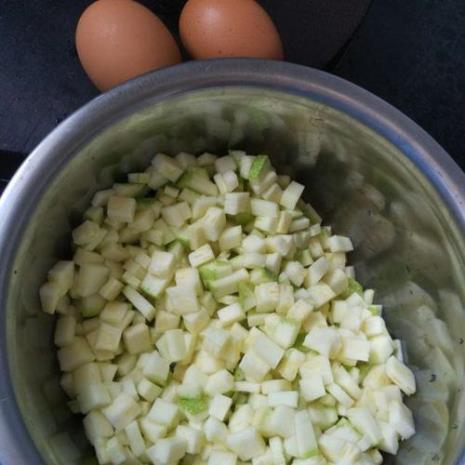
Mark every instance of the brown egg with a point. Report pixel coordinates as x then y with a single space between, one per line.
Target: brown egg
119 39
229 28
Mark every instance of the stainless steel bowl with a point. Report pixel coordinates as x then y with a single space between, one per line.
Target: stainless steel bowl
371 171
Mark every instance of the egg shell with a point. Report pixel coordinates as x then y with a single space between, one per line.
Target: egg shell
119 39
228 28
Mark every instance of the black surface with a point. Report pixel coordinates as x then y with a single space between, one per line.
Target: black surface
411 53
42 81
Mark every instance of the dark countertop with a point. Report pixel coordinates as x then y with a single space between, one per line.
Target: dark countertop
412 54
408 53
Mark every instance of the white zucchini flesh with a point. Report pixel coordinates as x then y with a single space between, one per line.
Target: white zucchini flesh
208 312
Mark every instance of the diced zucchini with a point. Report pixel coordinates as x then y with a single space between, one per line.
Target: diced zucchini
193 406
198 180
217 321
259 165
